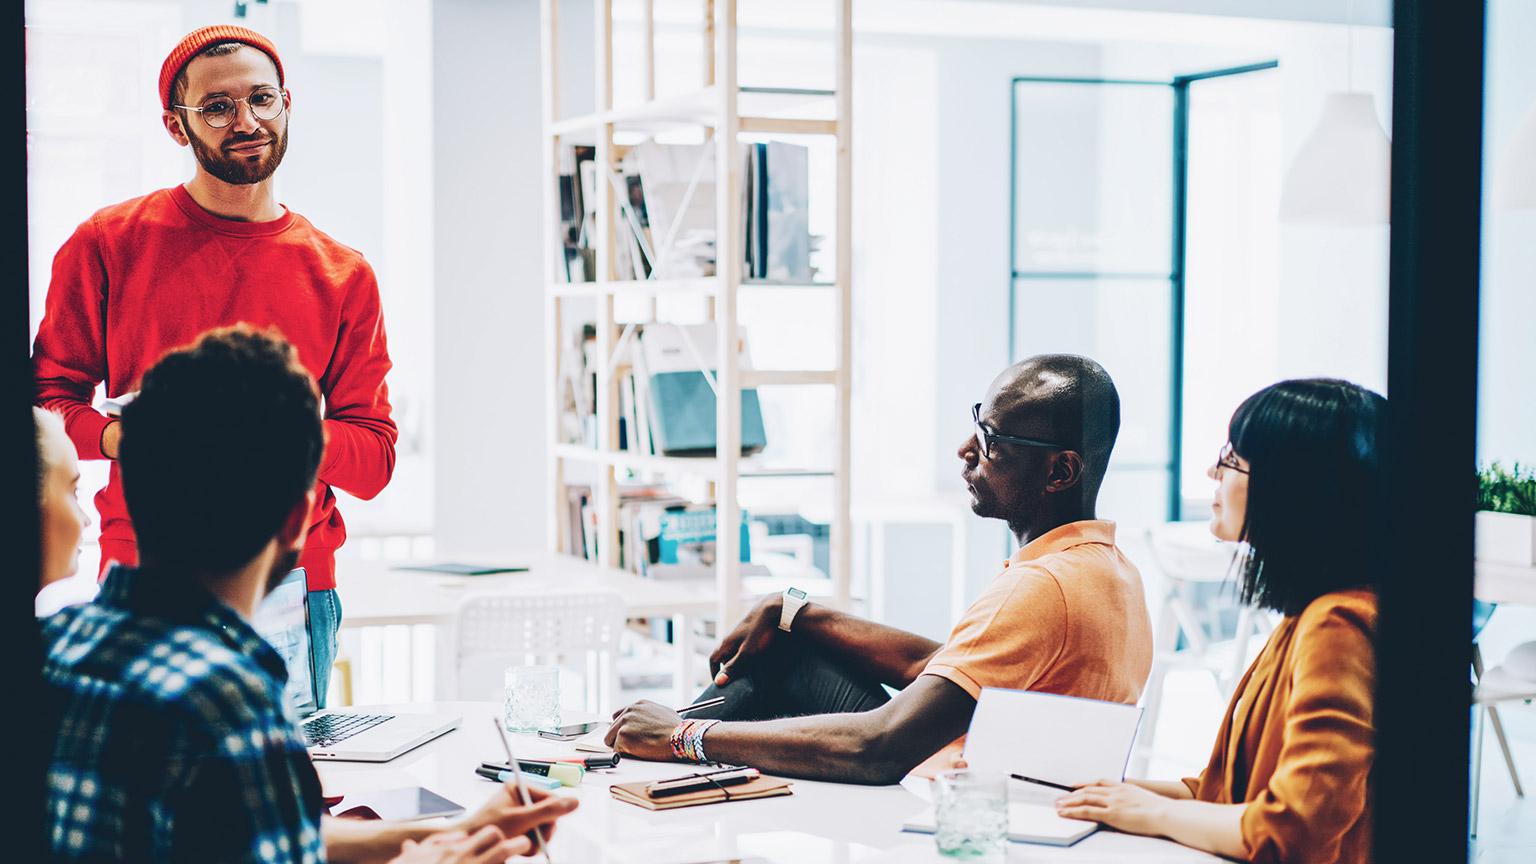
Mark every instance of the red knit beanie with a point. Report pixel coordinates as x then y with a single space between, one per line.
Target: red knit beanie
197 40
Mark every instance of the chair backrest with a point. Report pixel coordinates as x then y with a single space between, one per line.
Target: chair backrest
1188 552
519 628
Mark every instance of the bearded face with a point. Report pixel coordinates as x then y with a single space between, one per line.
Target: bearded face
241 158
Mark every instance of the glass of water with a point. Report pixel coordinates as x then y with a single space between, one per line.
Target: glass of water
532 698
971 813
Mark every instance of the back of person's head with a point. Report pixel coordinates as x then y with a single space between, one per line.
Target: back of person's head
220 446
1313 448
1081 405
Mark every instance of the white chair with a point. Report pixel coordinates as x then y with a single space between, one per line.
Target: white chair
496 630
1512 681
1188 556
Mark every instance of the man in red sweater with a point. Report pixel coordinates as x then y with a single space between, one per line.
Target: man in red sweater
150 274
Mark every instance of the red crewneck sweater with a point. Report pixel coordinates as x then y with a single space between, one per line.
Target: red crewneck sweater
150 274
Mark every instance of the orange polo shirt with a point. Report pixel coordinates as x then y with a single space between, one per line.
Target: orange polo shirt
1067 615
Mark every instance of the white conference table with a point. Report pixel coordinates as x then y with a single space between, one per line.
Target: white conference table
374 594
819 823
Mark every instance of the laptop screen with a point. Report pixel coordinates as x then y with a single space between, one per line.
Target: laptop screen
283 620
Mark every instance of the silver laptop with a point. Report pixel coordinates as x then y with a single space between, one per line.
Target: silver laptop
348 735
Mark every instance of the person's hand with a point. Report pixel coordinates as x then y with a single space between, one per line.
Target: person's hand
643 730
754 633
486 846
1125 806
111 438
507 814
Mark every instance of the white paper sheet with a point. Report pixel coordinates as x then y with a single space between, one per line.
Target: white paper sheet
1057 739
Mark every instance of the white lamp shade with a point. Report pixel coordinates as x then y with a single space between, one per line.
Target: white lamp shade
1343 172
1514 177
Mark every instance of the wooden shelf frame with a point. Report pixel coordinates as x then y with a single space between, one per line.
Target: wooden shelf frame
708 286
718 106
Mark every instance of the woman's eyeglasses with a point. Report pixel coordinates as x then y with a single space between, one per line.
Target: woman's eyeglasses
1227 458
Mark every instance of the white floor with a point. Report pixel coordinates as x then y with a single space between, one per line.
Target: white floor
1507 825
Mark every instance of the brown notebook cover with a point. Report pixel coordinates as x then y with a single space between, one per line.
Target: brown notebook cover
762 787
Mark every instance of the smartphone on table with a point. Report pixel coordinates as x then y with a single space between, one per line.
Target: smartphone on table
571 732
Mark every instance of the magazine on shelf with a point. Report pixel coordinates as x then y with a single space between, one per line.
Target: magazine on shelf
664 211
786 209
682 402
676 184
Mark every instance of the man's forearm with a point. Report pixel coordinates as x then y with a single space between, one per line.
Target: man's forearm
890 656
837 747
874 747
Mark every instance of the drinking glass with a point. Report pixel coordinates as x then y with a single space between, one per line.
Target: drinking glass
533 698
971 813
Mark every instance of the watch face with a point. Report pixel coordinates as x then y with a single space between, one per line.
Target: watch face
796 593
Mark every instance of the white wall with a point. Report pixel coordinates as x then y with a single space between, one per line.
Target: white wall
489 327
1507 359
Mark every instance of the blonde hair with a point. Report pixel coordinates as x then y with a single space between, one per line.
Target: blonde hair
44 422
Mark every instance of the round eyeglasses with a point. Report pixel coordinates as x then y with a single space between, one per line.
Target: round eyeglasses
985 436
219 111
1227 458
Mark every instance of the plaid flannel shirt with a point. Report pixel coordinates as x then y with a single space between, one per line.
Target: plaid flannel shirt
174 744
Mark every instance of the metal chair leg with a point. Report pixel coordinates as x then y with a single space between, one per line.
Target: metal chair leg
1477 768
1509 759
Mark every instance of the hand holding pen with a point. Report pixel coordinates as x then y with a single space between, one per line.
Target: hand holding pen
523 796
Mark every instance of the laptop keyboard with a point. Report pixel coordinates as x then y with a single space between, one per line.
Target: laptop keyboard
327 729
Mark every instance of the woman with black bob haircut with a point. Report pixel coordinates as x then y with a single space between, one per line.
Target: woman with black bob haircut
1299 487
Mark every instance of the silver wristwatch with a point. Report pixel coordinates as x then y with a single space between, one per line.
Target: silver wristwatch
794 598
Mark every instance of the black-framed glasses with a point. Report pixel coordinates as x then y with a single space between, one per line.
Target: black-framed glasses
1227 458
219 111
985 436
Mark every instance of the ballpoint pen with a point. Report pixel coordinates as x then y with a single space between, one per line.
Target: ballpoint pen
707 703
522 791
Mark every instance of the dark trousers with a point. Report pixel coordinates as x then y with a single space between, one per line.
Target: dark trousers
792 678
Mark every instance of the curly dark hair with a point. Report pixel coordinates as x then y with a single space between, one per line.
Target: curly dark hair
223 441
1314 490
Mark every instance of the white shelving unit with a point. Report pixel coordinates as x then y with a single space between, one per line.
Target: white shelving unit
728 111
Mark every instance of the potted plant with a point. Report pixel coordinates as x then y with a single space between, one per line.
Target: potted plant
1506 517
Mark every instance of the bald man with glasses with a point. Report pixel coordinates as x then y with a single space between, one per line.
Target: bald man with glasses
802 683
150 274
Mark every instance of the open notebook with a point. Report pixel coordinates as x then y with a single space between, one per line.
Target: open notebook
1028 822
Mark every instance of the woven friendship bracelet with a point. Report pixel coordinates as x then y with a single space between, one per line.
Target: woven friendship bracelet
676 741
694 743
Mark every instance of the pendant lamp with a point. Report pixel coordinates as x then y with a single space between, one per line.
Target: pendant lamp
1514 176
1343 172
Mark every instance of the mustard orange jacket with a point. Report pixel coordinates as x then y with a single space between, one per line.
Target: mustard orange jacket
1298 740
